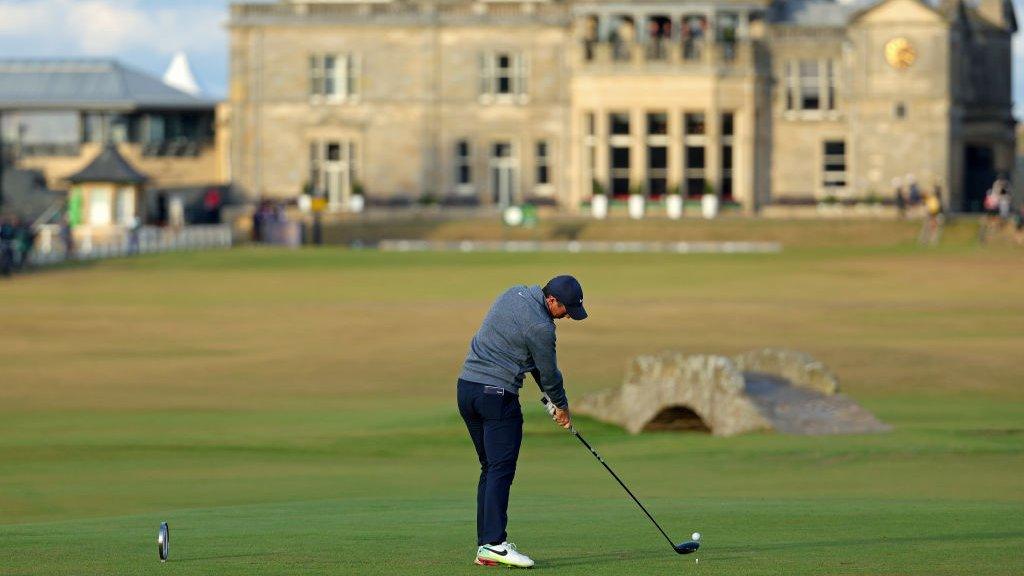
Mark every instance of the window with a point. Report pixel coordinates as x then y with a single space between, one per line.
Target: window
619 122
42 133
657 170
504 173
619 143
727 155
100 206
694 142
503 76
810 88
834 168
124 210
694 124
333 171
334 77
620 170
463 166
810 85
543 163
692 33
657 123
657 153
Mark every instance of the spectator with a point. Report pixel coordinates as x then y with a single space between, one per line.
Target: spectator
26 239
134 230
211 206
258 219
1019 234
1004 200
901 199
67 236
913 191
933 226
6 246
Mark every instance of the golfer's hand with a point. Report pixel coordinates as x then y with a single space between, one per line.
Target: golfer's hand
562 417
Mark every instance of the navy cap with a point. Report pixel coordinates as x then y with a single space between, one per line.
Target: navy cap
568 291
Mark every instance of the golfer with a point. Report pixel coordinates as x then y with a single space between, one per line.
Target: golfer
517 337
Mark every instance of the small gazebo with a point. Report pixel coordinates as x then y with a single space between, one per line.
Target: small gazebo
107 192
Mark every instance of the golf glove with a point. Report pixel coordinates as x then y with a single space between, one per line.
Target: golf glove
549 406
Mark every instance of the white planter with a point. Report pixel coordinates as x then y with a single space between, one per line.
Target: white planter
709 206
599 206
674 206
356 203
637 203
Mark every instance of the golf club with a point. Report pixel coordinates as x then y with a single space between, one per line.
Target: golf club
687 547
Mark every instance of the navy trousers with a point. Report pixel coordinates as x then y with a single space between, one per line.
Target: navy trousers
495 423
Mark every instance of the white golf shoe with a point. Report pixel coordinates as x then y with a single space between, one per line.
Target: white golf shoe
504 553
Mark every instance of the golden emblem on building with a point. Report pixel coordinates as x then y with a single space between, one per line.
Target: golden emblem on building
900 54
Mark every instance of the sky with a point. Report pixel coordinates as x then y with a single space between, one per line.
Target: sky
147 33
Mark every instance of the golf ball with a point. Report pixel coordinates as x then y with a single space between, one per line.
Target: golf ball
695 536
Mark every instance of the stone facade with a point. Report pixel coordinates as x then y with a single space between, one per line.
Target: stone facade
497 102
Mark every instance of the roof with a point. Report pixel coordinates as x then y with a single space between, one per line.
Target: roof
109 166
87 83
824 13
25 194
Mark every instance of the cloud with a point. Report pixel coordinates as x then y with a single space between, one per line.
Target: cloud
105 27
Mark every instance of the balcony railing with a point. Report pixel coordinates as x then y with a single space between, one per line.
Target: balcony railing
55 150
383 10
667 52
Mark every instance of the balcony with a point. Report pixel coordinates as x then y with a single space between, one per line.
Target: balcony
663 54
378 11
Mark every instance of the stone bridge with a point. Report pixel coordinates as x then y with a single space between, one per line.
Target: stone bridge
769 389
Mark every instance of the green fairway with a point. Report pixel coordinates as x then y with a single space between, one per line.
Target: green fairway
294 413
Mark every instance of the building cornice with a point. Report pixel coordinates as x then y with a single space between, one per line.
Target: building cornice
524 12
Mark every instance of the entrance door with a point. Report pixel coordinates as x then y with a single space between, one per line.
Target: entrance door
504 174
339 173
979 174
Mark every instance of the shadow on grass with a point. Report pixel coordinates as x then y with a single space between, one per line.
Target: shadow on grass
593 559
221 557
959 539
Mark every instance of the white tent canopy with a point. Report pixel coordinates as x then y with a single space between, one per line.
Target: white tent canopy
179 75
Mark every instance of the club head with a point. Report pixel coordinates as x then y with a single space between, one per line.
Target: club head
163 542
688 547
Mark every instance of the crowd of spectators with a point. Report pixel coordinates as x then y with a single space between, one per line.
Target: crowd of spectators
16 240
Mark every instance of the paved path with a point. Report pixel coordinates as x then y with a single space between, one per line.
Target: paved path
794 410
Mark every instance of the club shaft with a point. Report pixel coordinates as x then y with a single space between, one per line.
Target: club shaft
623 484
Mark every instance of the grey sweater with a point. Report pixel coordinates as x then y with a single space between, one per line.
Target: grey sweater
517 337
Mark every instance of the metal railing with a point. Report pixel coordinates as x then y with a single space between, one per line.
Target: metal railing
370 11
50 246
665 52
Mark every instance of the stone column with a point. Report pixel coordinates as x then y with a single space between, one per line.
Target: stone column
744 141
675 147
601 173
713 147
638 149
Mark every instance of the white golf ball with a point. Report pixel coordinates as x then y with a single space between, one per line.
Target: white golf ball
695 536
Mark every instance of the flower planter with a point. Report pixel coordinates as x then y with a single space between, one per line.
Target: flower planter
709 206
637 203
674 206
356 203
599 206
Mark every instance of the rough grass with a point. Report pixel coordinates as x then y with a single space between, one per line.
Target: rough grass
292 413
